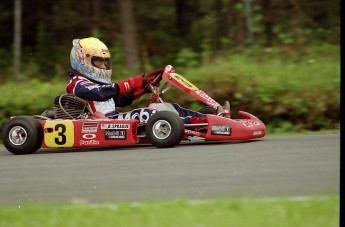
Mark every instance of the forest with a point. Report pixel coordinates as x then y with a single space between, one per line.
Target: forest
255 52
145 34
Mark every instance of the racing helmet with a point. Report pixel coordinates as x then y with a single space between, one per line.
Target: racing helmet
91 58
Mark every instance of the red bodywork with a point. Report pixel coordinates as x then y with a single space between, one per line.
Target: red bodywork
240 129
101 131
89 133
219 128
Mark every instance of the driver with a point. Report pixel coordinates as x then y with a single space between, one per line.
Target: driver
91 80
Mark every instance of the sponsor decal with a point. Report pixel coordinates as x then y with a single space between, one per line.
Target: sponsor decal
250 123
142 115
183 81
224 130
207 98
115 126
89 136
255 133
168 68
89 142
127 87
193 133
89 127
113 134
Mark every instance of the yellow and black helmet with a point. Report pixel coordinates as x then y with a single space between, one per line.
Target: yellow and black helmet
91 58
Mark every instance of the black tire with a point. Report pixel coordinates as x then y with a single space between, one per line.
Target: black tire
207 110
164 129
22 135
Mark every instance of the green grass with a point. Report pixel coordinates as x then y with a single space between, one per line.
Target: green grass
285 92
320 65
321 132
275 212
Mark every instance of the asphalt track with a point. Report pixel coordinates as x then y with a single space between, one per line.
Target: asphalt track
273 166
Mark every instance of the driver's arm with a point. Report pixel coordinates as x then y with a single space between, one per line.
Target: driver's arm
124 100
88 90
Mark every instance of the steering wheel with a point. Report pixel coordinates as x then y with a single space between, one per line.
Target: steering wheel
153 86
157 74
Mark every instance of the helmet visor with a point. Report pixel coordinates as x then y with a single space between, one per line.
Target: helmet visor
101 63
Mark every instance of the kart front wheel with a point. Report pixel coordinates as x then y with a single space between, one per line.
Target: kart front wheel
165 129
22 135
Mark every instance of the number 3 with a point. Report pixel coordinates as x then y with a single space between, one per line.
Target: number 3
61 134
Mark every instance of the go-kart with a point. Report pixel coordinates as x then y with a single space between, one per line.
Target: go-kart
72 123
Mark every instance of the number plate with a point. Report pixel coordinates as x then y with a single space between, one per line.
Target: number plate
59 133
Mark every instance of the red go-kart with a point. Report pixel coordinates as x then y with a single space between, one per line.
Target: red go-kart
72 124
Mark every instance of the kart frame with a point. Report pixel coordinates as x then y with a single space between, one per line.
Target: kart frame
72 123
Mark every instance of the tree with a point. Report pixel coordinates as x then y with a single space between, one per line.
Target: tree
17 38
183 18
129 35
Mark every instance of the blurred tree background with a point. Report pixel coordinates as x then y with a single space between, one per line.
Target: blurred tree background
145 34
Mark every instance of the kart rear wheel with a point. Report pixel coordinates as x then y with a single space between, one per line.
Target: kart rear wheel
165 129
22 135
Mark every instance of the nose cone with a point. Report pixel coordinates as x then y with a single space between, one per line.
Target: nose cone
256 128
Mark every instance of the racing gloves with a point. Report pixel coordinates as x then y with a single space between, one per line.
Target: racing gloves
135 85
138 92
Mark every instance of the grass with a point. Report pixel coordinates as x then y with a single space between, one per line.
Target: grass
321 132
313 212
320 65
